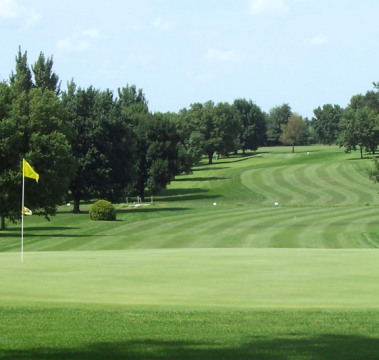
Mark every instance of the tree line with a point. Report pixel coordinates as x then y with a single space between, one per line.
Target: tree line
88 142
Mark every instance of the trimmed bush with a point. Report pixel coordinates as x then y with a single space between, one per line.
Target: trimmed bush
102 210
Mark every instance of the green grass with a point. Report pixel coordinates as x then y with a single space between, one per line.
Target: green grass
183 278
44 333
194 279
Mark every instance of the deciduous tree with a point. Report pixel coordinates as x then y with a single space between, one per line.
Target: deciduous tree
253 132
294 132
326 123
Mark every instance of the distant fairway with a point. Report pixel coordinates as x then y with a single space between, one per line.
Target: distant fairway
213 248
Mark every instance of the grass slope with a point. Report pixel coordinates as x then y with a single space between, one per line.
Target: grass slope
185 279
325 201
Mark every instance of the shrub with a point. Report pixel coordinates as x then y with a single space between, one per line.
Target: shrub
102 210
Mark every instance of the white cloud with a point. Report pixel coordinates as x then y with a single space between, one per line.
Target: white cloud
9 9
224 56
269 7
162 25
320 39
79 41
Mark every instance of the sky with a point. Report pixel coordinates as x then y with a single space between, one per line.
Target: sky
305 53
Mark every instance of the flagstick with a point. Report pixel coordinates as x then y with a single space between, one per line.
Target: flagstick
22 214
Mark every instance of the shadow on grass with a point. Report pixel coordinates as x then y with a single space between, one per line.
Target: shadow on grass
150 209
369 157
203 178
291 346
72 213
208 167
47 228
30 235
188 198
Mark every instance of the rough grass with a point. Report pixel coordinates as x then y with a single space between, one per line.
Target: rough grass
77 334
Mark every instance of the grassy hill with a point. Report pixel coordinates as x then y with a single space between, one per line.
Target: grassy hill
212 269
325 200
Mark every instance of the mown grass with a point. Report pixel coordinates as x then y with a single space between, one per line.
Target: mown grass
183 278
51 333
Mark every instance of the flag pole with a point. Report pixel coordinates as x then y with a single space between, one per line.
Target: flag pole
22 213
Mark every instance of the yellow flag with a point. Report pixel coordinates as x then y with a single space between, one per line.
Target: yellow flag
27 211
28 171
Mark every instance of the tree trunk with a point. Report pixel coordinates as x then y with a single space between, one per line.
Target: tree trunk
142 192
76 205
243 152
2 222
293 148
361 153
210 157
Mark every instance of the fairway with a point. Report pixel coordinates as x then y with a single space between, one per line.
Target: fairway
210 265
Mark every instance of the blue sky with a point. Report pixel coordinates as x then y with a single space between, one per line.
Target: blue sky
302 52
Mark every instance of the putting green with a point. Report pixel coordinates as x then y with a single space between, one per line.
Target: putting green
194 279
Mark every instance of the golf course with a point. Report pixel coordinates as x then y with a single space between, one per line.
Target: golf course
272 256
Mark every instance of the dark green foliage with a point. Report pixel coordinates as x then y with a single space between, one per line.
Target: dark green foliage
326 123
103 144
277 117
359 130
218 125
253 133
44 77
21 80
102 210
158 154
33 127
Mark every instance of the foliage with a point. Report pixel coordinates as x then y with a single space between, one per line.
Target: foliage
277 117
44 77
326 123
34 129
103 144
157 144
32 126
218 127
359 129
102 210
374 173
294 132
253 120
21 80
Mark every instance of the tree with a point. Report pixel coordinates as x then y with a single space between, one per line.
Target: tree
253 133
190 145
278 116
359 130
326 123
34 129
294 132
32 126
218 124
21 80
132 101
157 140
44 77
103 144
374 173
